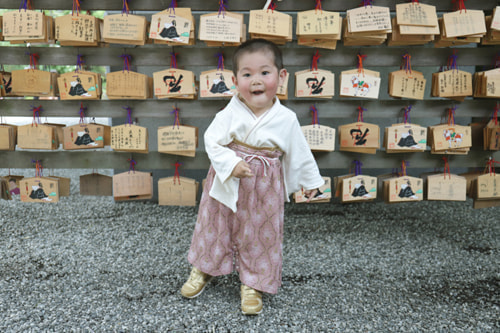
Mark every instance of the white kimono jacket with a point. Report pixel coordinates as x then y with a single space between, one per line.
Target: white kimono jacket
277 127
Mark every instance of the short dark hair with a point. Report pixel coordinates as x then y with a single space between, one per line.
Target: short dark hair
255 45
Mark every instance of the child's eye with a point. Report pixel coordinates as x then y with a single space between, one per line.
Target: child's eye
246 75
265 72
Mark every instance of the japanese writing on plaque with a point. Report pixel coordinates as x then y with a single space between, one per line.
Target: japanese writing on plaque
23 23
128 137
373 18
319 137
173 138
219 28
269 23
314 22
455 83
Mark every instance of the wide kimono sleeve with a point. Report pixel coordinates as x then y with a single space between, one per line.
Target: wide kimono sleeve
299 166
217 137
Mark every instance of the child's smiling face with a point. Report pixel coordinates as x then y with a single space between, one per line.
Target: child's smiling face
258 79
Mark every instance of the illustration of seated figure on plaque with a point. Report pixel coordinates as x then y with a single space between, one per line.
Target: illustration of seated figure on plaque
217 82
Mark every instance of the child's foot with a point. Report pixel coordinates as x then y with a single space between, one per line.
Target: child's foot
251 301
195 284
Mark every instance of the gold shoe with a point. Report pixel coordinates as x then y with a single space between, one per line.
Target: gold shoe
251 301
195 284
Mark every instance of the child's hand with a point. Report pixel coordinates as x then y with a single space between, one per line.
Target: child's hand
309 194
242 169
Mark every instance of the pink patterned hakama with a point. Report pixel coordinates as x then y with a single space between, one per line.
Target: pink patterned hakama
253 236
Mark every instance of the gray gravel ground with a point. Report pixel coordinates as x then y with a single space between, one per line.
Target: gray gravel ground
90 264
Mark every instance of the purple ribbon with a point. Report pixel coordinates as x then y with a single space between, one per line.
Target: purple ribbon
360 113
222 7
452 62
125 7
367 3
36 114
357 167
407 114
173 5
220 61
129 114
24 5
451 115
79 63
38 168
127 58
132 165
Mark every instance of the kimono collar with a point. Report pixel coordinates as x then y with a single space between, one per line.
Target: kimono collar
241 103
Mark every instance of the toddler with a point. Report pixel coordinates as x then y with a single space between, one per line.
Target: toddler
258 157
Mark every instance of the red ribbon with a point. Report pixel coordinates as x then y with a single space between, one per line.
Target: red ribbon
459 5
126 62
315 60
33 60
452 61
407 62
446 167
361 57
360 113
36 115
491 166
451 116
494 117
314 111
404 164
318 6
176 174
82 113
175 112
76 7
272 6
38 169
173 59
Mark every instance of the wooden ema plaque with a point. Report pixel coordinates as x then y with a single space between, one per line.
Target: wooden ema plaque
177 191
319 137
33 82
132 185
178 140
39 189
487 186
401 138
455 84
324 193
359 137
315 83
129 137
217 83
271 25
365 84
80 85
446 187
172 25
403 189
369 19
125 29
23 24
8 137
407 84
83 136
96 184
78 30
359 188
450 137
224 28
173 83
128 85
39 136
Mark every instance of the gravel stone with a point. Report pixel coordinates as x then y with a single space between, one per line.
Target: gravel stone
91 264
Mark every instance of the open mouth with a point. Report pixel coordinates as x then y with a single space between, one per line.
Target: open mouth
257 92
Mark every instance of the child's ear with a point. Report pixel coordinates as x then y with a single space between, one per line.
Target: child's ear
235 81
282 76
